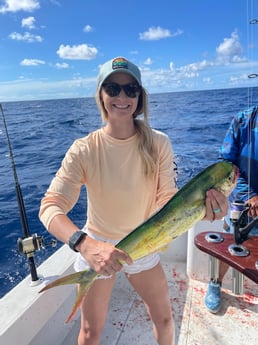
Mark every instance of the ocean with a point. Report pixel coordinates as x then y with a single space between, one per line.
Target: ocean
40 133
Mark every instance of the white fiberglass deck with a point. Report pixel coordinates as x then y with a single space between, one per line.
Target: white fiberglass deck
30 318
128 323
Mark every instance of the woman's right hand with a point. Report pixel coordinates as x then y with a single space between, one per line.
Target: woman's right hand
103 257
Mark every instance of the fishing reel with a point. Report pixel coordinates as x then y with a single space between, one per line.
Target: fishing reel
240 221
28 245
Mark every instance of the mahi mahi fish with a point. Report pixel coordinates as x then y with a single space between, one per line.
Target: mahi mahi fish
179 214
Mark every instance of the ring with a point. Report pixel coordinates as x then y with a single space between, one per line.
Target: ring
216 210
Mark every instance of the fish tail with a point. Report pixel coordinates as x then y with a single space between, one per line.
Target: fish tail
82 290
69 279
83 279
83 286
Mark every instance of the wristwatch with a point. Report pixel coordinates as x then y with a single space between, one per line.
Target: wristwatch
76 238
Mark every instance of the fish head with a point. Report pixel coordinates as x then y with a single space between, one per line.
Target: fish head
228 183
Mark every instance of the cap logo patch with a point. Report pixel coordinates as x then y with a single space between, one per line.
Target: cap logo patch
119 63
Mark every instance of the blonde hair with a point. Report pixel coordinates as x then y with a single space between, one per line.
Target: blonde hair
146 145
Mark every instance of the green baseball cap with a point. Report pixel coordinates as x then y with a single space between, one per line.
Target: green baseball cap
119 64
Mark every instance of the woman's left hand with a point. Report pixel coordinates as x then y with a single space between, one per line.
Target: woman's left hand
216 205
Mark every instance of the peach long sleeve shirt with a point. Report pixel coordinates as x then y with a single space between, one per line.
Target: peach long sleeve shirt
119 196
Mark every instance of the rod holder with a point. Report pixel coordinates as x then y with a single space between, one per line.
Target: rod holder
238 277
238 250
214 237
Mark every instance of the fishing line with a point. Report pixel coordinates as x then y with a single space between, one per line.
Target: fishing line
251 33
251 123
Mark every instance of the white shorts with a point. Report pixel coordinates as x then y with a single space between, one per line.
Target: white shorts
138 266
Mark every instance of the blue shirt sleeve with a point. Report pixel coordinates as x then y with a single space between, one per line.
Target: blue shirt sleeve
239 148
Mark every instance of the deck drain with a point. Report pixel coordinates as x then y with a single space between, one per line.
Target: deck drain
214 237
238 250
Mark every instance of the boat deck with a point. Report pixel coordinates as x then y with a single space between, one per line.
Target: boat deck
128 322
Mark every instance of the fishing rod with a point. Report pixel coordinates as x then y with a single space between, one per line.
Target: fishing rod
28 244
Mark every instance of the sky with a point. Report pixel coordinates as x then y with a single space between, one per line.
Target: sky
52 49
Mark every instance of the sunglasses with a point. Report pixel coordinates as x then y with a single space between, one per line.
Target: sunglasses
113 89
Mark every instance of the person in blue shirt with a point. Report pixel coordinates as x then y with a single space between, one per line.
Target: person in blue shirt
240 146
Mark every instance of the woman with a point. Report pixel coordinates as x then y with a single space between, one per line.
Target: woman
129 172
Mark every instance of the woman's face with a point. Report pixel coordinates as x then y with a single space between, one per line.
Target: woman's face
120 106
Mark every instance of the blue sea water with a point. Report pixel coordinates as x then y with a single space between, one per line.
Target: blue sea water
41 132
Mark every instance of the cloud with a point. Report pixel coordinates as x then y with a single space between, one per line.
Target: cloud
148 61
35 89
191 70
230 48
19 5
157 33
228 54
62 65
27 37
28 22
77 52
172 66
194 68
237 79
32 62
207 80
87 28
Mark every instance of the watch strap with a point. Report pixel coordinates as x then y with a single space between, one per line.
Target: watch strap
76 238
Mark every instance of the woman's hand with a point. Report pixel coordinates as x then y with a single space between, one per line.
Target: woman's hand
216 205
253 202
103 257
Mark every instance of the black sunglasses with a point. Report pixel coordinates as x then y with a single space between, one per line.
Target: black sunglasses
131 90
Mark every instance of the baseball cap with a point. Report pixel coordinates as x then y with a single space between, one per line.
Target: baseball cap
119 64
